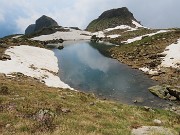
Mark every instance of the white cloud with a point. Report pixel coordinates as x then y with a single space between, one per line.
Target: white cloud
80 12
2 18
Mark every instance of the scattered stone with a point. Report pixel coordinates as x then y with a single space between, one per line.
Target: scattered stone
92 103
5 57
157 122
63 97
135 101
8 125
44 116
65 110
60 47
147 108
159 91
4 46
172 98
174 108
4 90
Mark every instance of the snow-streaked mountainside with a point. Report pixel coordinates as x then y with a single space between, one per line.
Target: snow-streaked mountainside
112 18
102 34
34 62
69 35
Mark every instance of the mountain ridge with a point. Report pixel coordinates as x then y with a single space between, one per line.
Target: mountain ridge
112 18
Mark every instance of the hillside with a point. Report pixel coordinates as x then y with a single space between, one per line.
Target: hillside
34 100
111 19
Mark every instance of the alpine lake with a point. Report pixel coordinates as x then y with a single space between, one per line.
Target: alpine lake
84 68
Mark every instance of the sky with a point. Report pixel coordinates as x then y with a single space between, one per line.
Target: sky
16 15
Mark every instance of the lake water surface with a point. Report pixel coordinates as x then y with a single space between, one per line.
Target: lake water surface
85 69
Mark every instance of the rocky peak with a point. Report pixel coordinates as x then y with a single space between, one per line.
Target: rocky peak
112 18
120 13
43 22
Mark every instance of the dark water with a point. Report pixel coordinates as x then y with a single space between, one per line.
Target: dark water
85 69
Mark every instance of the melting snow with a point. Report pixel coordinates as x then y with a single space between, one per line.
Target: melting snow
137 24
113 36
34 62
172 59
71 35
140 37
149 71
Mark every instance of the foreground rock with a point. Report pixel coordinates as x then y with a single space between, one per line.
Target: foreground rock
166 92
148 130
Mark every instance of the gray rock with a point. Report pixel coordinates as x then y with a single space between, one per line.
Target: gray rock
148 130
8 125
92 103
30 29
5 57
159 91
45 117
157 122
65 110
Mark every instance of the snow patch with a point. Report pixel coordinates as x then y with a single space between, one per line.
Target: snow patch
172 58
17 36
137 24
140 37
113 36
34 62
121 27
149 71
99 34
70 35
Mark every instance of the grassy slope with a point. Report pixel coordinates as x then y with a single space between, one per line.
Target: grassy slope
25 97
138 54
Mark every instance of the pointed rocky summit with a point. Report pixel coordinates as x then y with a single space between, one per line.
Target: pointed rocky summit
42 22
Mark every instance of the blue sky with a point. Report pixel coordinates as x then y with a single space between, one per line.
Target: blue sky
16 15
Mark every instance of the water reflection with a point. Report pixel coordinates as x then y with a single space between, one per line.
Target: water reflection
84 68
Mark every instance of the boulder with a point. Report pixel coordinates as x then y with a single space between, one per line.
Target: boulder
5 57
166 92
159 91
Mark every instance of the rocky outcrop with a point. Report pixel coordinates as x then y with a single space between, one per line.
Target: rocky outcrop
30 29
166 92
112 18
42 23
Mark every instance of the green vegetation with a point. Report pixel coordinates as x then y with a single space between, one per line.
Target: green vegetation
30 107
112 18
128 34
